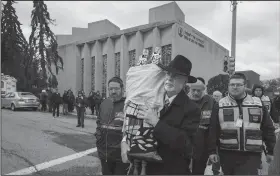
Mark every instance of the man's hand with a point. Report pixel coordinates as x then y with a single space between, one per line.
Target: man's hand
148 114
214 158
269 158
124 149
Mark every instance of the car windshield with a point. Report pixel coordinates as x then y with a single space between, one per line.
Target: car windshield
25 94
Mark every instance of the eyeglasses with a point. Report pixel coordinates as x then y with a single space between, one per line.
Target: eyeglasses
236 85
114 88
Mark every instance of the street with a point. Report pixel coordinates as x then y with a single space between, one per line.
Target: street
31 138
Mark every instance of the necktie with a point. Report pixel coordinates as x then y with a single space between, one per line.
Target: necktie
166 104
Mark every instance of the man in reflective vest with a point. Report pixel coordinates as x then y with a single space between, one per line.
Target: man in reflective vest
209 108
241 127
258 91
109 130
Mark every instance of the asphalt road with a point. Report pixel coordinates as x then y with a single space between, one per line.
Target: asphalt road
31 138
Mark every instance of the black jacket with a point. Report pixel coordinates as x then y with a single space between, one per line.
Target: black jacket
209 109
81 102
267 129
175 134
109 129
56 98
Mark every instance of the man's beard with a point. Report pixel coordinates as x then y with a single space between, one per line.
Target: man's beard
196 98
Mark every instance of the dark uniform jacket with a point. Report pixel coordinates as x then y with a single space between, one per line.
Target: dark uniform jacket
267 129
175 133
109 129
209 109
81 102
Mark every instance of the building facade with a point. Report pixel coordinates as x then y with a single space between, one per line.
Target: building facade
95 54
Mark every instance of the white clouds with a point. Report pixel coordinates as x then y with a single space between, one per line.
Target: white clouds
258 24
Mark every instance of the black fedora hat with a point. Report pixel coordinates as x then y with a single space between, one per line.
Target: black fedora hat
182 66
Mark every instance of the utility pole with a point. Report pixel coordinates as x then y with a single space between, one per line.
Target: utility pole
233 32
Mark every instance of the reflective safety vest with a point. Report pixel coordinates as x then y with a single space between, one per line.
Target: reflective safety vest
249 130
266 102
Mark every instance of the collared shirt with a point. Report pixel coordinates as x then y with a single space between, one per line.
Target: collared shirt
170 99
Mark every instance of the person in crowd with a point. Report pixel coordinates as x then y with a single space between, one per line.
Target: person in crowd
71 102
49 100
65 103
241 127
91 101
98 100
80 107
109 130
217 95
43 100
56 101
274 168
258 91
276 104
175 125
209 109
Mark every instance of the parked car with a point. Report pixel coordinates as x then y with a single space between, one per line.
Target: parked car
20 100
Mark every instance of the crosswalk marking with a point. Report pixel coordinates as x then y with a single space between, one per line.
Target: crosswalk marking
54 162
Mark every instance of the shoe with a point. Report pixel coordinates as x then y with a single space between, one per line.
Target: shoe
78 125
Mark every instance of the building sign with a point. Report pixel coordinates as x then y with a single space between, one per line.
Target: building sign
191 37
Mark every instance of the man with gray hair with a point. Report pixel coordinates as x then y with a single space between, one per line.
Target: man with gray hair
209 108
217 95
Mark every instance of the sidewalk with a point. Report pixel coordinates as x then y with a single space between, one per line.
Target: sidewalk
74 113
87 115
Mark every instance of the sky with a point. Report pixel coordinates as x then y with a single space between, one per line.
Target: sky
257 36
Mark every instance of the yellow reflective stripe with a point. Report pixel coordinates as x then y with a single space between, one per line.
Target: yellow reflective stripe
252 126
111 127
254 142
229 141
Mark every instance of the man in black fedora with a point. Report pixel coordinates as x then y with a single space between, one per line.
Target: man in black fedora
175 125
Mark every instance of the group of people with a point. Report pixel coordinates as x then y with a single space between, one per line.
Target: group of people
50 99
193 130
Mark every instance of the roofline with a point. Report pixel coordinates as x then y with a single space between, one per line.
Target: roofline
141 28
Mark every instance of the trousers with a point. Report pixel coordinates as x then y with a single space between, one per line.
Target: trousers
240 163
110 167
81 115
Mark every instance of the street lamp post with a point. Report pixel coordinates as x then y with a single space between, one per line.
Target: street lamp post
233 32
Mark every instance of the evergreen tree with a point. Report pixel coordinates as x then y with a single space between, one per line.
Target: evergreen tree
219 82
13 42
42 40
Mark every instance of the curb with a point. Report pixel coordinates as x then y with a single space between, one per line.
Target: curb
87 116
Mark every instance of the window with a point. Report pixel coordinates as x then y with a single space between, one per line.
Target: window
25 93
104 80
82 74
12 95
166 54
131 56
93 73
118 64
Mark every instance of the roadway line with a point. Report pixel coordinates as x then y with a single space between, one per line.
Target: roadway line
51 163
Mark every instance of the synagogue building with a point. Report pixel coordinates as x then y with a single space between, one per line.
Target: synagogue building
94 54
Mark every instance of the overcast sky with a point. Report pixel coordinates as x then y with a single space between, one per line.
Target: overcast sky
258 26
